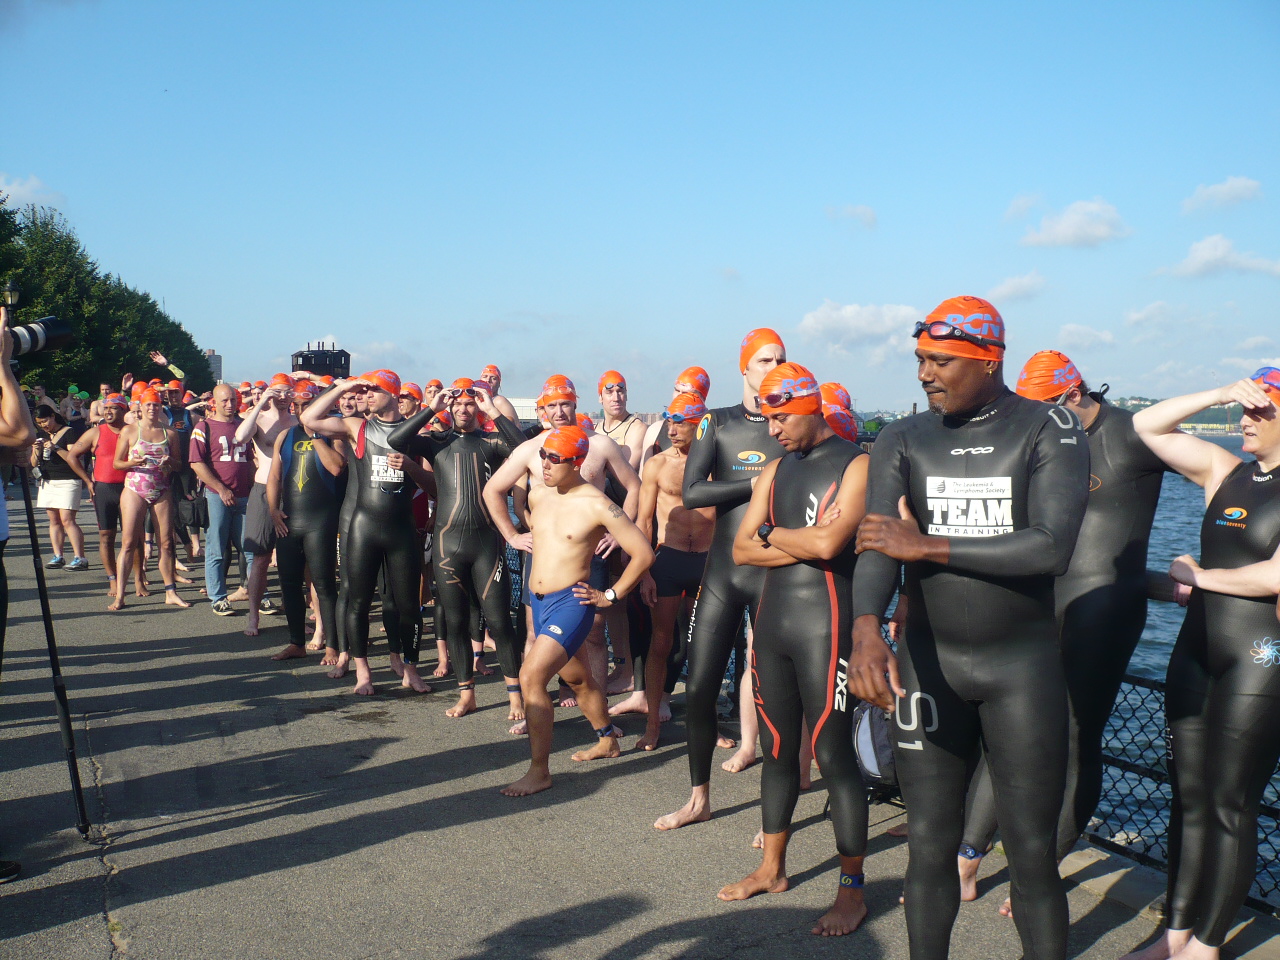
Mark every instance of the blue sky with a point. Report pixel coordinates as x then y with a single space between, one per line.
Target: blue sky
570 187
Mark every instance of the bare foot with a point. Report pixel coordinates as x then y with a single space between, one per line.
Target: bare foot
239 596
411 680
172 599
726 743
466 704
740 760
397 664
117 604
313 647
636 703
1169 944
622 680
363 687
520 729
251 624
757 842
531 782
330 657
760 881
845 915
480 667
605 749
650 739
181 579
141 589
291 652
340 666
968 870
691 812
898 830
515 706
442 670
664 709
1006 908
567 699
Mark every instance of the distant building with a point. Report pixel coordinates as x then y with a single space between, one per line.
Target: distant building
215 365
324 362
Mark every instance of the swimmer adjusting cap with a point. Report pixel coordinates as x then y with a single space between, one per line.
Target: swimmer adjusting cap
790 388
1268 378
569 442
387 380
1047 376
754 342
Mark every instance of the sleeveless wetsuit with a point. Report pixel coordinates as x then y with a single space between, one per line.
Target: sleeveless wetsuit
980 660
468 553
1101 604
800 658
380 531
310 497
731 446
108 482
1222 703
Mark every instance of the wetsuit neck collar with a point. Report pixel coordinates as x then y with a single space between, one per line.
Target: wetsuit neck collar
1101 415
747 414
988 411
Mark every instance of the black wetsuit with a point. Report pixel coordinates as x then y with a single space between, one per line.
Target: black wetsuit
731 446
1222 703
468 553
380 531
980 660
800 657
1101 604
310 497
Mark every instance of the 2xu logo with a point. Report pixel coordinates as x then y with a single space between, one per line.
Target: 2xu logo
961 451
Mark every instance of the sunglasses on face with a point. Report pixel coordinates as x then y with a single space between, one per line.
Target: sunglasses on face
677 417
552 457
941 330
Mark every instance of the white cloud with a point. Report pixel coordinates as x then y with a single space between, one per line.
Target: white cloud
1075 336
1151 313
877 328
1085 223
1021 205
1254 343
1229 192
861 212
1217 254
1017 288
29 190
1250 364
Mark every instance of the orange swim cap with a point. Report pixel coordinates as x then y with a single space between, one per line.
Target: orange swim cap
387 380
559 386
753 342
413 390
260 383
686 406
1047 375
136 392
491 368
841 421
149 396
326 381
443 419
282 380
974 316
585 422
790 388
568 442
115 400
433 382
462 383
245 385
609 378
836 395
1268 378
305 390
694 380
174 385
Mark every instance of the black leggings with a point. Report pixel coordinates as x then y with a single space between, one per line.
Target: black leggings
315 547
367 545
1007 694
1223 708
471 572
798 674
640 619
715 629
1100 630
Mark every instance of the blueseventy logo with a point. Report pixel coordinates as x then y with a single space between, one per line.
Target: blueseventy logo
751 456
1235 513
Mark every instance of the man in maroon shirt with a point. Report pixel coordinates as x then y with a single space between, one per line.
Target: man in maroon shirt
224 467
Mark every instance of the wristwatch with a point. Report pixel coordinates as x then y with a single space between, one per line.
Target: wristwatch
764 531
611 596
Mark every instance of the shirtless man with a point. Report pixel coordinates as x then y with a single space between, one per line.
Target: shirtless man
569 517
604 459
270 417
493 376
684 536
97 409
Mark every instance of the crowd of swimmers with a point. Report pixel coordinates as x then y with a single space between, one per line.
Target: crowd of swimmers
1002 535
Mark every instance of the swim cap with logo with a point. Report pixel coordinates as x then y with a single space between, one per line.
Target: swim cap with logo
754 342
694 380
569 442
115 400
611 378
794 386
412 389
387 380
1268 378
691 406
305 390
973 315
836 395
559 386
585 422
1047 376
841 421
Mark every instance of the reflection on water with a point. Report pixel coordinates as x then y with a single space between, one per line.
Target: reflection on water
1176 531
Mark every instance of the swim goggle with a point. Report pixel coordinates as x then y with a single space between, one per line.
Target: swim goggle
941 330
782 399
680 417
610 386
456 392
552 457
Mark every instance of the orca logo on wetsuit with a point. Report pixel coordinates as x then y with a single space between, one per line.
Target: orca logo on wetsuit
1095 483
1233 516
971 507
960 451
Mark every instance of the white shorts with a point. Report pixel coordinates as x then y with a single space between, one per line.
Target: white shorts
59 494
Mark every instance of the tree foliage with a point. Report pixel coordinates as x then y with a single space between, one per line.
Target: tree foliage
116 325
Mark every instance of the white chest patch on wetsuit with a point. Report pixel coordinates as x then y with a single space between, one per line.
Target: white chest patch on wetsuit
970 506
380 473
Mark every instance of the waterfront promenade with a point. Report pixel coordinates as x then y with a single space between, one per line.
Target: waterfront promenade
246 809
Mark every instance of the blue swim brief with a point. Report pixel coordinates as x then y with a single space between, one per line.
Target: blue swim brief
562 617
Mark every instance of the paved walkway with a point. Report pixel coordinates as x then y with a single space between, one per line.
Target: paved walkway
247 809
